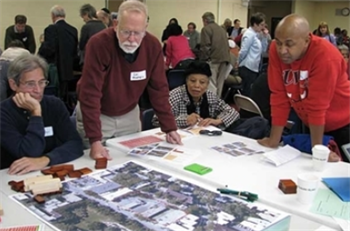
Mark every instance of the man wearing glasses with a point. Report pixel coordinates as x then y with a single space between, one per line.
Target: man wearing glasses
35 129
120 63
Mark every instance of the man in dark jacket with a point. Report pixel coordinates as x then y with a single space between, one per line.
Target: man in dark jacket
21 32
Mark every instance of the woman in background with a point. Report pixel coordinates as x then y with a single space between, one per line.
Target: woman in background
178 52
323 31
165 34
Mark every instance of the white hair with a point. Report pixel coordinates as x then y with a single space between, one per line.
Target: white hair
134 6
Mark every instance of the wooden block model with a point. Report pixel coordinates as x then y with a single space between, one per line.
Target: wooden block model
47 172
17 186
85 171
101 163
287 186
1 211
33 180
56 168
45 186
75 174
39 199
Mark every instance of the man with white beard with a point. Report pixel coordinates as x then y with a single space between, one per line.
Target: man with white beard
120 63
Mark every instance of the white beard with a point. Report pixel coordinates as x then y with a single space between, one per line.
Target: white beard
127 47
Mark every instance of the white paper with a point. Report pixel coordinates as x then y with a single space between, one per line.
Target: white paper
282 155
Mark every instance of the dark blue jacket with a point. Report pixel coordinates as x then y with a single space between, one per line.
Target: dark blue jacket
23 135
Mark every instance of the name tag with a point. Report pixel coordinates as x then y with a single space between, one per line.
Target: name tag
138 75
48 131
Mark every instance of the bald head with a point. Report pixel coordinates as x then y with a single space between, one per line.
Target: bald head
292 38
293 24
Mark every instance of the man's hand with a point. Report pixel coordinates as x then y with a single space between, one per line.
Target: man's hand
209 121
193 119
98 151
25 101
173 138
28 164
268 142
333 157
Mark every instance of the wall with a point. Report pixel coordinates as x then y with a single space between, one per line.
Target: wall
316 11
38 14
272 9
326 12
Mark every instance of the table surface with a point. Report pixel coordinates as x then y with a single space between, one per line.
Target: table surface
248 173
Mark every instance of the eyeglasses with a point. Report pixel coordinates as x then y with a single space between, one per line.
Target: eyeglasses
210 133
128 33
33 84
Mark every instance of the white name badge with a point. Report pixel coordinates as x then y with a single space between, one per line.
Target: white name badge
138 75
48 131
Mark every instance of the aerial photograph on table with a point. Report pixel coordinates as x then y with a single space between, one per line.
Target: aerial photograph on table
133 197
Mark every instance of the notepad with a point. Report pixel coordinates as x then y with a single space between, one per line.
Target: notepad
282 155
340 186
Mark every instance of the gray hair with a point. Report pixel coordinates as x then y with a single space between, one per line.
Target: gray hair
25 63
135 6
58 11
88 10
343 47
209 17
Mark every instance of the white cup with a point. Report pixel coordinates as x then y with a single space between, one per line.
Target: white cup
320 154
307 187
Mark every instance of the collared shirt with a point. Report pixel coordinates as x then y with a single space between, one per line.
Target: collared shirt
16 31
218 109
234 32
193 38
251 50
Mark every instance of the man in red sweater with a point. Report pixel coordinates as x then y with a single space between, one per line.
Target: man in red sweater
308 74
120 63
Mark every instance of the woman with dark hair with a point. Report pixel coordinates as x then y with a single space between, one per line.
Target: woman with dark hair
178 52
165 34
323 31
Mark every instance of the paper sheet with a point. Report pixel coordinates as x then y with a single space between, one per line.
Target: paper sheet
282 155
327 203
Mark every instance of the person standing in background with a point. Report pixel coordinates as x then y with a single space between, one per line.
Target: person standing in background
214 49
323 32
22 32
105 16
236 29
250 52
91 27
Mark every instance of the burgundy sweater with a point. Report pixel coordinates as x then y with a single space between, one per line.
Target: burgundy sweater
106 87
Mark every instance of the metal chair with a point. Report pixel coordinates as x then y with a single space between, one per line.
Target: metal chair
176 78
247 104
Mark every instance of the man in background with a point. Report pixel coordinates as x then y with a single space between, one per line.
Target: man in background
22 32
105 16
60 46
215 50
236 29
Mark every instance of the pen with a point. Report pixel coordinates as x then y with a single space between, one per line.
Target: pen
251 197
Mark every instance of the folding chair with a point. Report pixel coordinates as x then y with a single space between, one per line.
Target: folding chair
147 116
176 78
247 104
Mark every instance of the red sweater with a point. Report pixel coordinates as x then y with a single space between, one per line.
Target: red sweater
317 87
177 49
106 87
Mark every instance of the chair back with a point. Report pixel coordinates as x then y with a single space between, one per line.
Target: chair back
147 116
176 78
247 104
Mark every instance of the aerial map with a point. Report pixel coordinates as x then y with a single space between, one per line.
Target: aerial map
132 197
